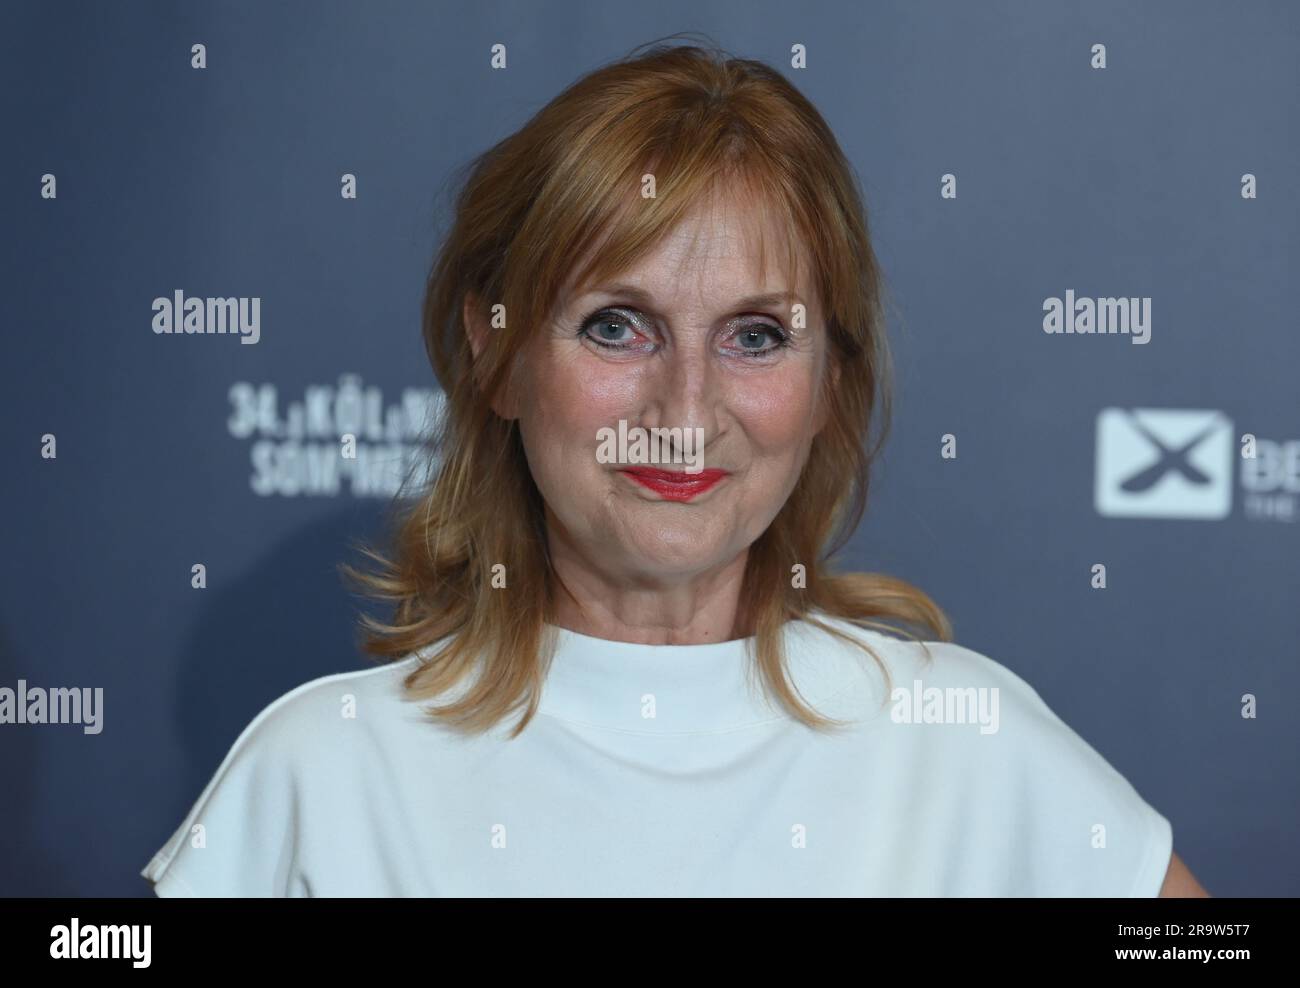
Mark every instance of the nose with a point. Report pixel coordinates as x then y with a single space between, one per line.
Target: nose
683 391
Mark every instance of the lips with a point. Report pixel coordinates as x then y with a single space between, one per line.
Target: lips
674 485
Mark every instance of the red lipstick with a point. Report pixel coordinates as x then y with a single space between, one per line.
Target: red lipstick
674 485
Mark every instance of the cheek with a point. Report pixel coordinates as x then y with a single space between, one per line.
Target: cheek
777 413
566 403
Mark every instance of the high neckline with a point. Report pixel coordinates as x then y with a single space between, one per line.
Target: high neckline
679 689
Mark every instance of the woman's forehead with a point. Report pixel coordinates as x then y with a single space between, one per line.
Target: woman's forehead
746 243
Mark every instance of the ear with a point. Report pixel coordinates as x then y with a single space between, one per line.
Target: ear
477 330
476 326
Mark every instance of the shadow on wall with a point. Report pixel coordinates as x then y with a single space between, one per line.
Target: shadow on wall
26 868
291 619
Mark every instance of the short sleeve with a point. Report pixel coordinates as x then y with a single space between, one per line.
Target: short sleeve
1042 813
1088 832
239 838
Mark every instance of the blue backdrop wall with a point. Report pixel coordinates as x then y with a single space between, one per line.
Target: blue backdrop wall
1005 165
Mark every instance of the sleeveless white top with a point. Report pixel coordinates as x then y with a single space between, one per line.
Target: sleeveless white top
661 771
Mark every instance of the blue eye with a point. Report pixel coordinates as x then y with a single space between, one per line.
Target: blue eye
751 340
605 328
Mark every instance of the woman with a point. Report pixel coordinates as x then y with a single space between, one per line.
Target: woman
653 440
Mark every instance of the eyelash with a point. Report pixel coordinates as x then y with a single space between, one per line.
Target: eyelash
612 315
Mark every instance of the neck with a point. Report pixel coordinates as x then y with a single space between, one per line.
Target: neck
646 609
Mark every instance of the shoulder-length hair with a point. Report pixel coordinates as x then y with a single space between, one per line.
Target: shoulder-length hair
693 118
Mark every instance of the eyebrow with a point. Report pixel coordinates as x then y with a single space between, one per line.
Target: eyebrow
643 298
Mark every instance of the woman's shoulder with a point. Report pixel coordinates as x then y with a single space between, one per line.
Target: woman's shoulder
901 661
300 751
964 737
909 681
310 714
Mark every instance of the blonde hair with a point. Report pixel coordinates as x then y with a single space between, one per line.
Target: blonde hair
695 118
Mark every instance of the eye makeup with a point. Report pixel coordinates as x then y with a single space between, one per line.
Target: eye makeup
613 316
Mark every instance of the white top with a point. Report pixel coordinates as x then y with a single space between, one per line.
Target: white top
654 771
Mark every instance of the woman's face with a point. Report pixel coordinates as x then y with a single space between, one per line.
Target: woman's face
683 344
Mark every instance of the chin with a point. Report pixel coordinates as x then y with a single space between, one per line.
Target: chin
675 551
